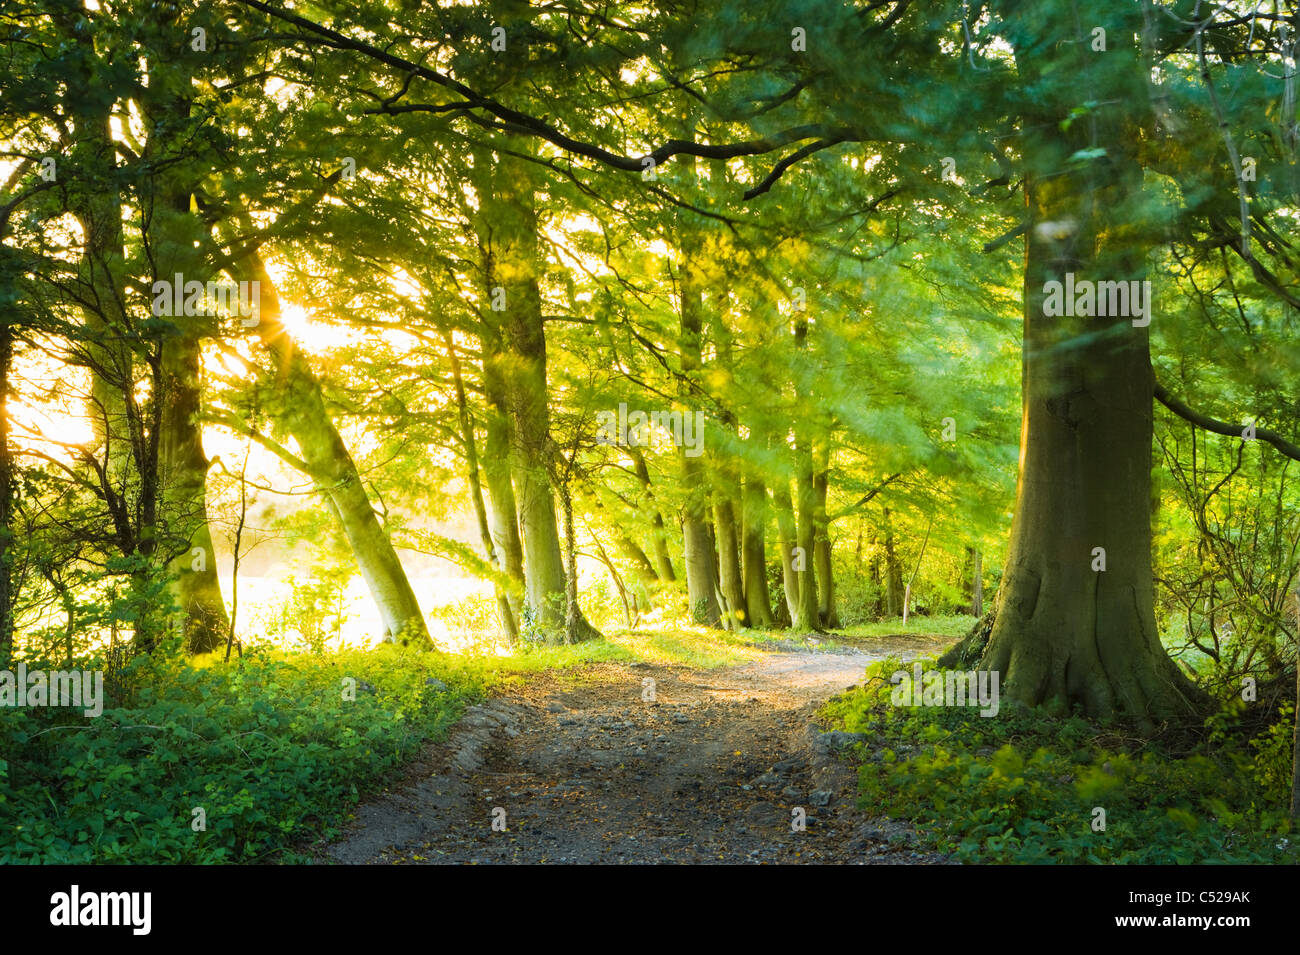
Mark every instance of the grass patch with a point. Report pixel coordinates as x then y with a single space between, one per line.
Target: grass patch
698 647
955 626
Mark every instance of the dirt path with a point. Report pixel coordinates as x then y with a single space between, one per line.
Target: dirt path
588 769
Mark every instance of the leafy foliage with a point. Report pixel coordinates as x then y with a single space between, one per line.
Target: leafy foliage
1022 788
268 747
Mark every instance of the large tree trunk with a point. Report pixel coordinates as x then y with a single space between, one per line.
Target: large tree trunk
727 504
530 456
701 570
300 408
507 229
544 581
174 235
1068 632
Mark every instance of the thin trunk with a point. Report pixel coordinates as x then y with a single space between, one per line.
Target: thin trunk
235 556
470 443
183 476
893 573
826 611
730 584
758 602
496 473
659 534
880 606
790 560
637 557
966 579
301 409
1295 754
6 496
804 615
977 586
576 627
701 569
630 549
907 591
618 581
1295 733
99 213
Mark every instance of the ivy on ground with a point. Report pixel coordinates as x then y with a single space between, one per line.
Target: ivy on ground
218 764
1019 787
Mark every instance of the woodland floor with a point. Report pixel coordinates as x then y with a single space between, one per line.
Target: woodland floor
588 772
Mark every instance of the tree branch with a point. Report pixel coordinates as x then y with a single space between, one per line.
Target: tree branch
1222 427
530 125
866 498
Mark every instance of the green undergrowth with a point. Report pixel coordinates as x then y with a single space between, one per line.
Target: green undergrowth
208 762
1020 787
203 761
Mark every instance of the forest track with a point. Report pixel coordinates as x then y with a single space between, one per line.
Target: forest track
587 771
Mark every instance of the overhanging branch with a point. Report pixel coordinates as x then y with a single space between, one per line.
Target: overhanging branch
1222 427
531 125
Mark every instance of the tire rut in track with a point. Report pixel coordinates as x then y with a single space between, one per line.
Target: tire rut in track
587 771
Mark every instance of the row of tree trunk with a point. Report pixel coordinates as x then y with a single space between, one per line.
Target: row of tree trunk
154 470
